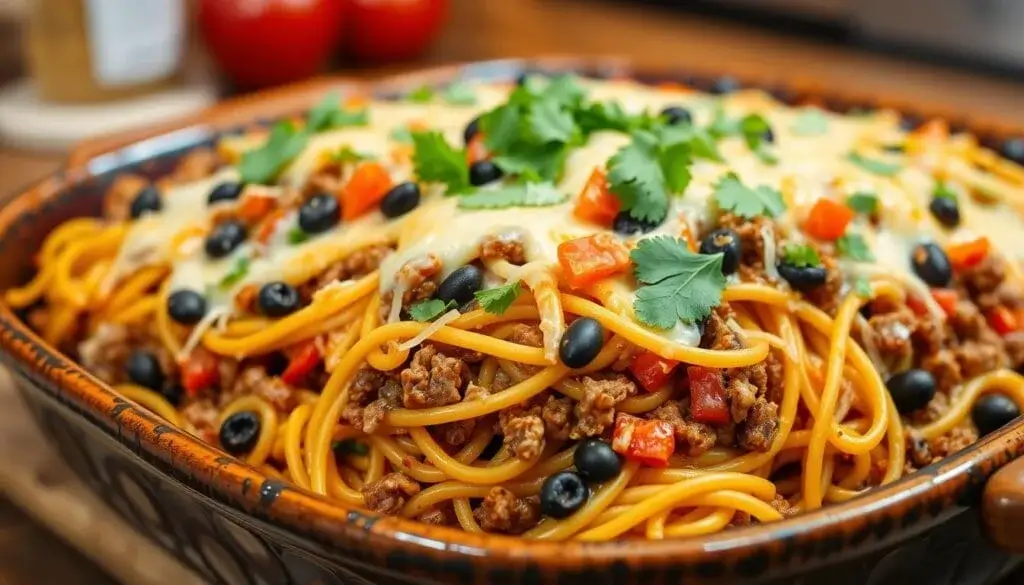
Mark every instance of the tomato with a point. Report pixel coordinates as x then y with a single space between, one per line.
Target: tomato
586 260
596 203
254 207
947 299
369 184
651 370
917 305
707 396
1003 320
965 255
650 442
828 219
270 42
303 359
389 30
199 372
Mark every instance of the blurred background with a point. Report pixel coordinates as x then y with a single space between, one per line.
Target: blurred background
74 69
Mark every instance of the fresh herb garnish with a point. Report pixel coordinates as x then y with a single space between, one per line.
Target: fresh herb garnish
676 284
429 309
497 300
329 114
520 195
810 122
800 255
236 274
853 246
862 287
609 115
350 447
436 161
643 174
699 141
732 195
420 95
722 125
755 130
878 167
346 154
863 202
459 93
296 235
943 191
401 134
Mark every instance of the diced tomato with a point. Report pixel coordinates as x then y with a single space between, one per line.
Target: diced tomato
1003 320
707 395
199 372
254 207
828 219
650 442
369 184
267 226
651 370
916 304
946 298
476 150
596 203
967 254
304 358
587 260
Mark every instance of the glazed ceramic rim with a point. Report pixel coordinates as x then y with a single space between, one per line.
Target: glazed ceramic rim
907 506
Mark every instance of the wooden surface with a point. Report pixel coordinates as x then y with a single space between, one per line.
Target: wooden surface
483 30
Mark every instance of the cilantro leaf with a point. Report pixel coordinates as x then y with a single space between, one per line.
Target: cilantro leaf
722 125
676 284
675 163
943 191
609 115
878 167
636 178
349 447
346 154
497 300
700 142
236 274
800 255
459 93
262 165
550 122
535 164
854 247
863 202
328 114
343 118
297 235
501 127
429 309
732 195
437 161
810 122
528 195
565 90
756 132
862 287
401 134
421 95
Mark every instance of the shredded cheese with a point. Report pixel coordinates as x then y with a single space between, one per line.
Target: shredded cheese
430 330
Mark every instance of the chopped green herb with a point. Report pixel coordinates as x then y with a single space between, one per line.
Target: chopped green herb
346 154
643 174
800 255
862 287
521 195
329 114
853 246
437 161
262 165
459 93
732 195
236 274
699 141
609 115
549 121
878 167
350 447
401 134
722 125
676 284
810 122
943 191
755 130
429 309
863 202
421 95
497 300
296 235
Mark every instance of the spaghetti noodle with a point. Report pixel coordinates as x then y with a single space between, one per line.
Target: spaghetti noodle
619 310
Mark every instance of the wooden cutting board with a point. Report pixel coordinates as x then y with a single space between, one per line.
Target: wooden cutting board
34 478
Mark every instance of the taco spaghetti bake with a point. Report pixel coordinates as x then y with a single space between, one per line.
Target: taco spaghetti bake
561 309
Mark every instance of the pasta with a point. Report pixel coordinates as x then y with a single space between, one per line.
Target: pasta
570 309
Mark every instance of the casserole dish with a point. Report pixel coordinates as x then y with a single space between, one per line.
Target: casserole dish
235 525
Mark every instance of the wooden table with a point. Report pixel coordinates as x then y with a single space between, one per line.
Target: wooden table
507 28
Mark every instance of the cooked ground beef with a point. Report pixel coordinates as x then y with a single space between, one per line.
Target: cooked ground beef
503 247
984 277
200 417
557 415
458 433
596 409
828 296
371 395
502 511
692 438
892 334
758 431
751 243
978 357
106 351
438 516
254 381
357 264
523 429
945 368
433 379
744 386
388 494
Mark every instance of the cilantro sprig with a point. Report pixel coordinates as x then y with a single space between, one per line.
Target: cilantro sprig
644 173
430 309
497 300
878 167
943 191
436 161
521 195
297 235
237 272
852 245
800 255
863 202
757 133
676 284
732 195
347 154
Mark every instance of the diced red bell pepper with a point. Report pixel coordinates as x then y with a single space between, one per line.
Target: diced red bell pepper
917 305
651 370
828 219
369 184
947 299
1003 320
707 395
254 207
587 260
199 372
596 203
967 254
304 358
650 442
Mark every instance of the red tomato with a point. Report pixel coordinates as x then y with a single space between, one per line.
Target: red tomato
828 219
270 42
304 358
707 396
369 184
1003 320
587 260
651 370
389 30
968 254
947 299
650 442
595 203
199 372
